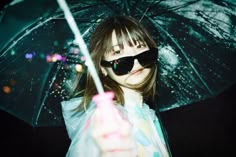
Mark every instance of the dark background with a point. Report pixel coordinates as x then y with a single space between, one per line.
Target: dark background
200 129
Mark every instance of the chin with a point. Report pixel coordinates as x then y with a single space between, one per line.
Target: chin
134 80
139 77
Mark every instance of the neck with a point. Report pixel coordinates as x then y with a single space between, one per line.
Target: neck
132 96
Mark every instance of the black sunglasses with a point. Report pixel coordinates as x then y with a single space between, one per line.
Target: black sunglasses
124 65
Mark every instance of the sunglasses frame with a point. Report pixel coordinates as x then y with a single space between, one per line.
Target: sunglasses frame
130 59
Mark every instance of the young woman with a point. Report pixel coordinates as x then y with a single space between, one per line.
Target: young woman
125 57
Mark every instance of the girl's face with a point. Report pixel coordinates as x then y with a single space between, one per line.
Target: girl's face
137 73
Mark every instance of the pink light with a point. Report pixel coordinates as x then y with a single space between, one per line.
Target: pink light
48 58
82 58
55 57
76 51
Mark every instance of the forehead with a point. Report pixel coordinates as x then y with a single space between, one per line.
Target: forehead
114 39
118 39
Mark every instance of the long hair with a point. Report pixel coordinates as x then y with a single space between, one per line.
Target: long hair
100 43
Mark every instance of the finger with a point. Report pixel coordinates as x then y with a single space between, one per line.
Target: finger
121 144
112 129
97 117
105 127
125 128
101 118
112 132
129 153
108 131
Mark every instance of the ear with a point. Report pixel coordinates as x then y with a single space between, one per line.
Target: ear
104 71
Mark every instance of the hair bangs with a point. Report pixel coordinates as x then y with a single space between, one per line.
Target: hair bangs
134 36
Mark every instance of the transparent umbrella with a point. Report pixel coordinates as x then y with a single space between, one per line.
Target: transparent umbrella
40 66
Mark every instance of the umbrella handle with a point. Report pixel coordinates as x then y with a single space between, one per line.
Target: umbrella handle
109 115
79 40
104 101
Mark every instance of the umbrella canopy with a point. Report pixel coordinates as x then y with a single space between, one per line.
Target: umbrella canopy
40 66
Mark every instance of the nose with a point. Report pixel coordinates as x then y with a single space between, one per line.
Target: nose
136 65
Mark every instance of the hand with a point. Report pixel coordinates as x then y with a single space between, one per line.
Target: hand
113 138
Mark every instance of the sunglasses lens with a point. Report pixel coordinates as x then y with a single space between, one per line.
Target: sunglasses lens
123 66
147 58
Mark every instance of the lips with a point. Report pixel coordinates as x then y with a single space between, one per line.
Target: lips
136 71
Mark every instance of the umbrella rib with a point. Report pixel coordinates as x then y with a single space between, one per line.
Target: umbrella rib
172 9
21 35
108 4
184 54
36 117
35 120
126 7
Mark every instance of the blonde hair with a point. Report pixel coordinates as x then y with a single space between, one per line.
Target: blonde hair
100 43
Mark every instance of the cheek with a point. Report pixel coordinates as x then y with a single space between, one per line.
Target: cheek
111 73
136 79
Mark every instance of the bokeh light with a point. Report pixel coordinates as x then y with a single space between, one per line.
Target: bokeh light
76 51
79 67
6 89
28 55
13 52
55 57
12 82
82 58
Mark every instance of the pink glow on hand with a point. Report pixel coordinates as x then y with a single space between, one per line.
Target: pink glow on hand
110 117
